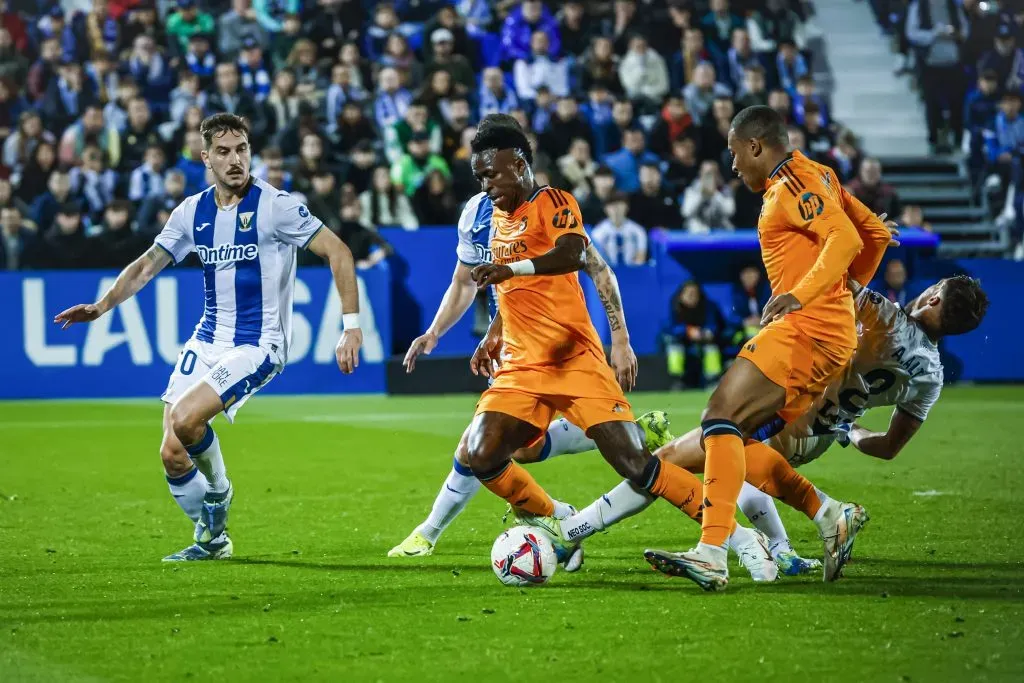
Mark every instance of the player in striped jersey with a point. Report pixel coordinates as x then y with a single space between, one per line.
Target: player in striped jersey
245 233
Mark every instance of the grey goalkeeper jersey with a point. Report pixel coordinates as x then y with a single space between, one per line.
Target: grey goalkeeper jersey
896 364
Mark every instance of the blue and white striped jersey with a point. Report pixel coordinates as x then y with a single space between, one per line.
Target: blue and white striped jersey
248 256
475 231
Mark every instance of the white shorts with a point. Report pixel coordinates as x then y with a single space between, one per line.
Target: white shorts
800 449
234 373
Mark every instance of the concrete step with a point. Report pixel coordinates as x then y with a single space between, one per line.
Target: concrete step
955 214
952 230
923 179
935 196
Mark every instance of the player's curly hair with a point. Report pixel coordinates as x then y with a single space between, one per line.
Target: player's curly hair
964 304
218 124
761 123
501 131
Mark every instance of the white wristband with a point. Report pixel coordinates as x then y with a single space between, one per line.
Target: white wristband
350 321
522 267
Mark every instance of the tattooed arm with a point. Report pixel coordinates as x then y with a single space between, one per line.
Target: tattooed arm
623 360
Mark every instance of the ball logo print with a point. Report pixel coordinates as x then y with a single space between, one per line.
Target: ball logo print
811 205
523 556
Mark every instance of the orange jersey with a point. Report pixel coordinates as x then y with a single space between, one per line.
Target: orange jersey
545 318
804 207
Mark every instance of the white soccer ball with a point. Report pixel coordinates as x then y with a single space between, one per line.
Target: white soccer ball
523 556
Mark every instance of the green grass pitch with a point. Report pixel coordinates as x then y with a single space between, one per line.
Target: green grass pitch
325 486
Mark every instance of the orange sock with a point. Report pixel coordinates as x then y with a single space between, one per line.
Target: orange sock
723 479
769 471
515 485
680 488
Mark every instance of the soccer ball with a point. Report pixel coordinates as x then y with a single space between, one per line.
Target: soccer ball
523 556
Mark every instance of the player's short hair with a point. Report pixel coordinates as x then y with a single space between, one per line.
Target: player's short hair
492 134
964 304
761 123
218 124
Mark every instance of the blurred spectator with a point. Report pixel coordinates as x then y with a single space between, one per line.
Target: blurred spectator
37 173
495 97
58 192
754 91
19 147
230 97
719 26
358 68
623 242
643 74
44 70
577 166
115 111
937 28
714 133
13 64
143 20
702 91
790 67
434 202
302 60
89 33
543 105
878 196
519 27
398 55
673 123
446 59
566 125
187 94
152 73
773 23
254 72
392 100
409 171
980 111
359 172
282 103
353 128
574 27
807 95
66 97
17 237
798 139
64 245
104 74
147 180
696 322
1005 58
341 91
684 62
367 246
156 209
94 181
199 59
749 297
239 24
738 59
819 139
708 203
7 197
186 22
139 135
176 136
895 280
282 44
601 66
455 124
116 245
190 163
385 205
603 185
913 217
780 101
652 206
11 22
313 158
416 121
626 22
626 162
91 128
683 166
447 18
540 69
607 119
385 22
845 157
324 198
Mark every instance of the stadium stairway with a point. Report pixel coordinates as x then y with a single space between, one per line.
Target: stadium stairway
940 186
866 95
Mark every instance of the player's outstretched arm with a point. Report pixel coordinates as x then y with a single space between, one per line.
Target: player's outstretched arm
330 248
134 277
567 256
456 301
623 358
888 444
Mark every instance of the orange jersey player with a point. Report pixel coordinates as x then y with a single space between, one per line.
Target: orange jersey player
552 359
813 236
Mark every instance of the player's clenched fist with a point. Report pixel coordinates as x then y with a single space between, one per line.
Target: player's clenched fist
347 350
82 313
491 274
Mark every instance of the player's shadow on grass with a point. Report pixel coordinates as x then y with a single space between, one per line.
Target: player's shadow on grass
384 566
883 562
895 587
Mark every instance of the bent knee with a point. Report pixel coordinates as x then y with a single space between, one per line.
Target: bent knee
186 423
174 457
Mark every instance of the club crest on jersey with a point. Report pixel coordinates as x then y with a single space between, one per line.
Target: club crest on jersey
245 221
522 227
811 205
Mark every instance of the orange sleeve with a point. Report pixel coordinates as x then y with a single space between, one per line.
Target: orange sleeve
872 232
560 215
818 211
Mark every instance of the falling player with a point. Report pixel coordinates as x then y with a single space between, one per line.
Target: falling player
812 233
552 360
246 233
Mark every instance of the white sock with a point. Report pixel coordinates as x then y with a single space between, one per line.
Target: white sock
719 553
208 458
188 491
562 510
456 492
825 501
760 509
563 437
625 500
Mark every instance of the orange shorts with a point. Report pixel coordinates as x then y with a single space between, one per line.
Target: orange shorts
586 393
797 363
